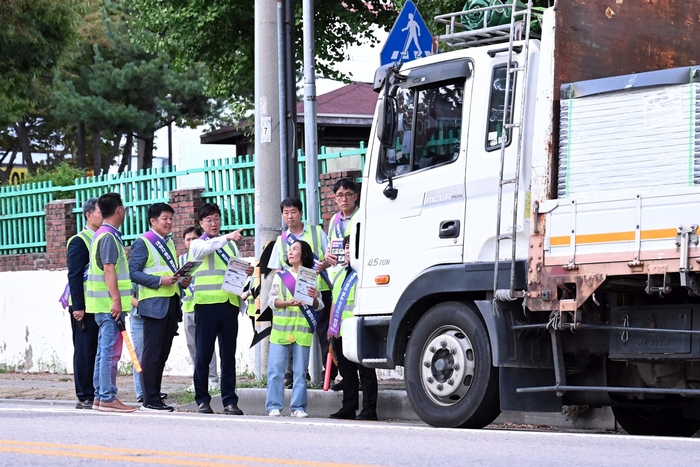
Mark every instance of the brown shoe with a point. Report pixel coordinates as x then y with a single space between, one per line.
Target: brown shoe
115 406
96 404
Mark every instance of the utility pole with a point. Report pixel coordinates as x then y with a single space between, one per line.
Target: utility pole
267 165
311 152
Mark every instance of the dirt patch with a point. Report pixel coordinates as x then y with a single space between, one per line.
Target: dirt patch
51 386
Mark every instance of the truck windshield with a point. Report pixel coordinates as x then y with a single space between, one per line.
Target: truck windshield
428 130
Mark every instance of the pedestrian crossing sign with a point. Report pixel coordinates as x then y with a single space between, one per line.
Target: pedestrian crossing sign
409 39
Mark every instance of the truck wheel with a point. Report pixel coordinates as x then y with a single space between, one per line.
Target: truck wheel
655 421
449 377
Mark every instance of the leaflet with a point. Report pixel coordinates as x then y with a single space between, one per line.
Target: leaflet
235 277
306 279
188 269
337 250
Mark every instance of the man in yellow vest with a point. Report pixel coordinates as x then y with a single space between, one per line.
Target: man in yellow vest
215 309
190 234
292 210
345 193
108 294
82 324
152 265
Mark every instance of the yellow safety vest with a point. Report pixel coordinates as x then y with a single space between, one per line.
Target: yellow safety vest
210 276
97 297
289 324
157 266
86 236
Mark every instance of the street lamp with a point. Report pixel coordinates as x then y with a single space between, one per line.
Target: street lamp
170 135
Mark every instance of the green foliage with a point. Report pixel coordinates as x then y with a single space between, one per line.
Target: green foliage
33 35
221 35
62 175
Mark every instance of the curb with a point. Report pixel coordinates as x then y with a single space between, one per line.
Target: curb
394 405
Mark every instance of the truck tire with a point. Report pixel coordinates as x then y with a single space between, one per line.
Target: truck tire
655 421
450 380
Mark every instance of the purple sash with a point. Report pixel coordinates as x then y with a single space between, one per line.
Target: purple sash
309 313
225 257
335 225
109 229
164 251
339 306
183 260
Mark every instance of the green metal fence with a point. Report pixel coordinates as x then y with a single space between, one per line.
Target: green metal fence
229 182
22 217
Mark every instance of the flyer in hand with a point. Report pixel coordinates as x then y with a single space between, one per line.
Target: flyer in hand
188 269
235 277
306 279
337 250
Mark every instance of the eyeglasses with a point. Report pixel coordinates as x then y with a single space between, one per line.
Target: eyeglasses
345 195
211 220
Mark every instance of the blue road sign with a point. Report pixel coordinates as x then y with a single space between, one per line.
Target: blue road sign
409 39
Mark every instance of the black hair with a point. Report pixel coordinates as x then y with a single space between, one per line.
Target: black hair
291 202
345 183
208 209
89 206
191 229
346 241
108 204
307 255
155 210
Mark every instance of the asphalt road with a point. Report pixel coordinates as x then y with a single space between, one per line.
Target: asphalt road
33 434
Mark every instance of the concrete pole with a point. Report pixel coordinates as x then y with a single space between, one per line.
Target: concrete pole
311 152
267 167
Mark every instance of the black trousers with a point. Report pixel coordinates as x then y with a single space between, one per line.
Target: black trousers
84 352
322 330
158 337
368 376
220 321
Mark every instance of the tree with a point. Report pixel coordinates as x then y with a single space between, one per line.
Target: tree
220 34
115 88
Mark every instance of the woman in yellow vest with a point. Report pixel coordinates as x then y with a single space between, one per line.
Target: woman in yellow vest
293 325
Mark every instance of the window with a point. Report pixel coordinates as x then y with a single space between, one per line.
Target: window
428 128
494 131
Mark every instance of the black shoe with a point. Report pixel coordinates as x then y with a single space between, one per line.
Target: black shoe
86 404
339 386
140 399
232 410
163 395
157 407
366 415
344 414
205 408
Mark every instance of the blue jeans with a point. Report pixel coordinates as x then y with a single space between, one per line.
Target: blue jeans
109 351
136 324
277 361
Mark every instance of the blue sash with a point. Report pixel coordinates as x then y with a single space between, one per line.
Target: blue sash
289 238
164 251
225 257
309 313
339 305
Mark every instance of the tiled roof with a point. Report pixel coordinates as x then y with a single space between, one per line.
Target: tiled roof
351 99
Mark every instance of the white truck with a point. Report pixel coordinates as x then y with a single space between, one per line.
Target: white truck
528 228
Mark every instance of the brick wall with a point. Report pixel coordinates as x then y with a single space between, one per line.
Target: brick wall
186 203
328 206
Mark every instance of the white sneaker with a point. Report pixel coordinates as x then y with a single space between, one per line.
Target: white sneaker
213 386
190 388
299 414
274 413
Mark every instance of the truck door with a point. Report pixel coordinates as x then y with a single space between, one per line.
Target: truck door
424 225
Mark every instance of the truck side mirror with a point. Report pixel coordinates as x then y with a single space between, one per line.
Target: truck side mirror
387 123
